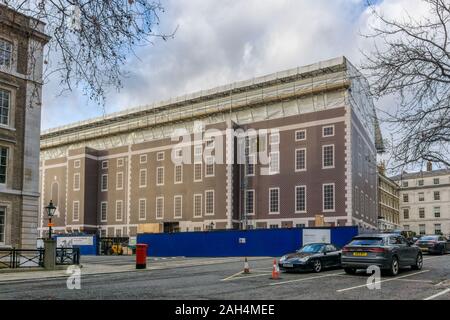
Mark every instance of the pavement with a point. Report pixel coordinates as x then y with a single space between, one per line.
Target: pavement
115 277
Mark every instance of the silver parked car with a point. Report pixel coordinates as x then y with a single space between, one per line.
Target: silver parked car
390 252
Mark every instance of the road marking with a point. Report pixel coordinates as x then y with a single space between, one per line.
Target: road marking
438 294
413 280
430 258
364 285
304 279
247 276
232 276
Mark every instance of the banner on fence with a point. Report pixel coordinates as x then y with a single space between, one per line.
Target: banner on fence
69 242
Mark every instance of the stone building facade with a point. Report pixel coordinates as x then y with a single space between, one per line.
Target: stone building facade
307 136
388 202
21 44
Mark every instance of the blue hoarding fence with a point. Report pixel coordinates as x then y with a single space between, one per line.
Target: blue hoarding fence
236 243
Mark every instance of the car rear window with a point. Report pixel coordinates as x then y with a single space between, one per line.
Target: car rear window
429 238
367 242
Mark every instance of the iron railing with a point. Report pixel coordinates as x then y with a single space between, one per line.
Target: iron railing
33 258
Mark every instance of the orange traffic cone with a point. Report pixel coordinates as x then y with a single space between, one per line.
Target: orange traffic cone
246 266
275 270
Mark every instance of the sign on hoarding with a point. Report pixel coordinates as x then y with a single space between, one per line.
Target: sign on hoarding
69 242
316 235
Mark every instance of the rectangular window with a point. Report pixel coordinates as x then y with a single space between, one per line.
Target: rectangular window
328 197
76 181
421 196
198 150
119 210
422 229
422 213
274 162
159 207
6 49
300 199
250 167
197 229
143 158
406 227
250 202
209 203
437 195
104 183
328 156
437 229
209 168
2 224
178 174
274 201
300 135
160 176
103 211
118 233
178 206
76 164
120 162
300 225
197 205
436 181
103 233
197 172
76 210
142 178
105 164
274 138
420 182
406 213
119 181
274 226
160 156
405 197
300 160
142 209
5 97
3 164
437 212
328 131
405 184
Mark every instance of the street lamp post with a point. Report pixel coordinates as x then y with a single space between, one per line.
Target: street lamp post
50 212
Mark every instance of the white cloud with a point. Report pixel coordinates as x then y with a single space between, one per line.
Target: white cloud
219 42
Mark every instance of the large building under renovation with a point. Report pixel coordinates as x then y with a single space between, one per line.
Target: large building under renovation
311 157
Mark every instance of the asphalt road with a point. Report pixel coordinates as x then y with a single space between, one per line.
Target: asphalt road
223 280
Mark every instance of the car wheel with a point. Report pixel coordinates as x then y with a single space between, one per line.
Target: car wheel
350 270
393 270
419 262
317 265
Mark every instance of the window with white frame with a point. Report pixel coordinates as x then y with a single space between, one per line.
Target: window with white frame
103 211
422 213
274 200
436 181
437 195
209 167
119 210
2 223
437 212
198 150
160 176
104 182
143 158
142 178
198 171
405 197
118 233
120 162
274 162
328 131
105 164
6 50
328 156
103 233
3 164
76 210
76 181
178 206
300 199
250 167
76 164
300 159
209 202
300 135
119 181
422 229
274 138
142 209
328 197
159 207
160 156
250 202
437 228
406 213
197 205
421 196
178 173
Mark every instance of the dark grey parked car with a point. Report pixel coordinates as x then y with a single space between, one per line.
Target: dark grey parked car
390 252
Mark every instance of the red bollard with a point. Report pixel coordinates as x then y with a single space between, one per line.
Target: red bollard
141 256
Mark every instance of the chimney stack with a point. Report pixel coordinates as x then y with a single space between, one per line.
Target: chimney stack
429 166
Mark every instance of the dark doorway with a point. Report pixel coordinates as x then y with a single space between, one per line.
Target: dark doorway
170 227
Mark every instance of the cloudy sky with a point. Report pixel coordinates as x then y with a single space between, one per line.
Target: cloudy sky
218 42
